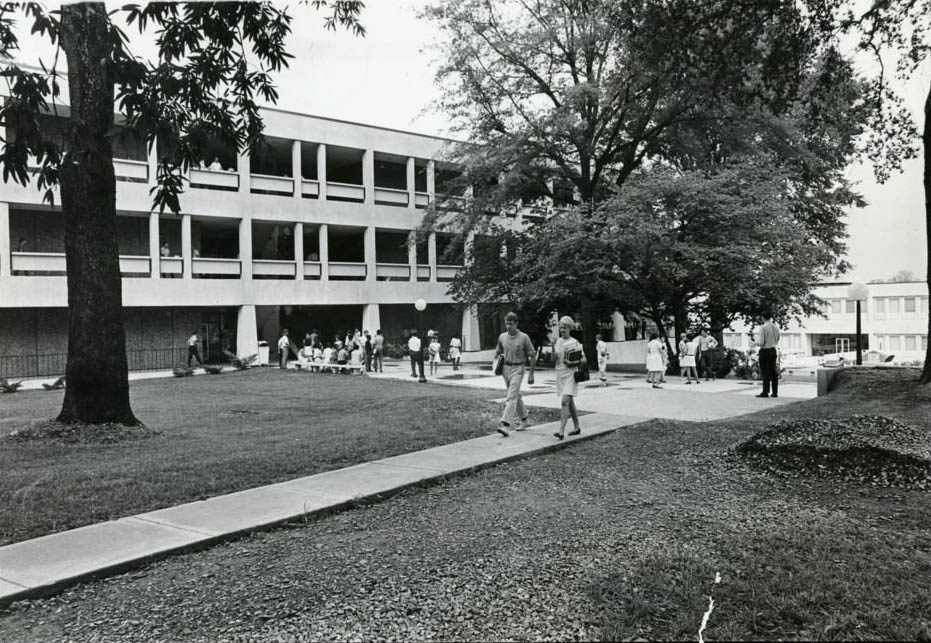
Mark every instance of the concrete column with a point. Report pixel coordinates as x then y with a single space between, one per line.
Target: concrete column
154 246
324 252
431 180
152 159
412 255
370 262
247 337
431 255
368 175
186 254
321 170
299 251
470 329
245 173
296 167
245 251
411 183
371 319
6 258
619 324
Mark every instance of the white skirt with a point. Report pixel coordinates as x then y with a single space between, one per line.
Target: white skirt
687 360
565 382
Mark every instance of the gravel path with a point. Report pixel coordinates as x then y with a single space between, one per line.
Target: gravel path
589 542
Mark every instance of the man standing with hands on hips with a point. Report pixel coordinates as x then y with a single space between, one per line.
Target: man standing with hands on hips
515 349
767 337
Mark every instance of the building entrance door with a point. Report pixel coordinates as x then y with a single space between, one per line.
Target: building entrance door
211 337
842 345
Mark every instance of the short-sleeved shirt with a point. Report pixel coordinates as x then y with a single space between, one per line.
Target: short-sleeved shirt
516 349
768 335
379 341
192 340
601 348
413 344
284 342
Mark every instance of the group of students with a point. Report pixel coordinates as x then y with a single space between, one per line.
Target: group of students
358 349
693 350
434 348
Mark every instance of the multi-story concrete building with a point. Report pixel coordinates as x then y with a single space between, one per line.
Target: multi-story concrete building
894 320
309 233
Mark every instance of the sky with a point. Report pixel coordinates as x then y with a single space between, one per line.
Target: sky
387 79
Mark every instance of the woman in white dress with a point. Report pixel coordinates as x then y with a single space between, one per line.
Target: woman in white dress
455 344
687 359
569 356
434 349
656 362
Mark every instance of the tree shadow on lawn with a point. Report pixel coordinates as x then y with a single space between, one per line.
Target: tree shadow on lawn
219 435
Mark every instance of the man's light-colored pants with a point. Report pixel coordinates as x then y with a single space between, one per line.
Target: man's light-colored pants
514 405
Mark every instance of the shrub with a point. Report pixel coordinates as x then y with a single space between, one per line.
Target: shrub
213 369
241 364
59 383
395 351
6 386
183 371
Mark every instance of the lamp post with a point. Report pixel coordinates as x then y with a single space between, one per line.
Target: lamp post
859 292
420 305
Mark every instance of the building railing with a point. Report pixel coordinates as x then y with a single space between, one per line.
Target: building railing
129 170
312 270
345 191
347 270
214 179
447 273
275 184
271 267
310 189
211 266
54 262
421 199
423 272
391 196
392 271
171 265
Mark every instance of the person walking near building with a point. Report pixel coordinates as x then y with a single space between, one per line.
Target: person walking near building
656 360
378 347
569 356
435 355
706 344
284 345
455 351
514 348
767 338
602 349
415 349
367 352
192 349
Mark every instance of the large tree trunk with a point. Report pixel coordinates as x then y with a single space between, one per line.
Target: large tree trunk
926 144
589 314
97 384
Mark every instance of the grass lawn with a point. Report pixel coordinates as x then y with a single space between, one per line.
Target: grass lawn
221 434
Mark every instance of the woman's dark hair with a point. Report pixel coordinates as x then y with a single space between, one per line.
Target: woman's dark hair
653 336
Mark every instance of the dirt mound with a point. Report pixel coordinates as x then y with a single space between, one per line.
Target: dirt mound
51 431
866 449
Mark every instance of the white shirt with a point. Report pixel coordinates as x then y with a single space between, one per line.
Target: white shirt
413 344
192 340
455 343
602 349
356 357
327 354
283 343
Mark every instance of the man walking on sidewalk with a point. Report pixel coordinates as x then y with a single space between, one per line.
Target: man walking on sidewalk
768 338
416 351
192 350
514 348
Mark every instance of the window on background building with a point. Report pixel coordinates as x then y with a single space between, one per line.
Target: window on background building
836 306
851 306
909 304
924 342
879 306
910 343
894 342
924 304
893 305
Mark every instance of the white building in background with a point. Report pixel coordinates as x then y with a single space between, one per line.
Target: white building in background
311 233
894 320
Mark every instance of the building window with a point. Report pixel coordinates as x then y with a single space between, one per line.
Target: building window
879 306
909 304
893 305
835 306
893 342
851 306
924 304
924 342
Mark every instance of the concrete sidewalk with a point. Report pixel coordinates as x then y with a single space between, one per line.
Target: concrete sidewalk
45 565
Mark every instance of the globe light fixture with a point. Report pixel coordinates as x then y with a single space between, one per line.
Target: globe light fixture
420 305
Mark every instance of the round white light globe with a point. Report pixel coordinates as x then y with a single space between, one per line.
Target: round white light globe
420 305
858 291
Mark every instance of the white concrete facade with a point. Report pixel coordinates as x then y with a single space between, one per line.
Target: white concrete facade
894 318
239 201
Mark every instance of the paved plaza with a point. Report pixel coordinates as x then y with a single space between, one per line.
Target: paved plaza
43 565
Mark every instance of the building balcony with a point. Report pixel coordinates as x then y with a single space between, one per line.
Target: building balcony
213 267
392 271
273 268
347 270
346 191
391 196
264 184
214 179
447 273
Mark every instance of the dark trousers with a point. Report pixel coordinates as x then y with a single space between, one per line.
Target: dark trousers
705 360
193 352
768 370
417 361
